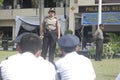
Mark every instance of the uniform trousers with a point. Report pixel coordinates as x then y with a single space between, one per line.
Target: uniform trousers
99 49
49 43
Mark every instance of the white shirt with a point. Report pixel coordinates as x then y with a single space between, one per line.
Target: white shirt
75 67
27 67
118 77
14 57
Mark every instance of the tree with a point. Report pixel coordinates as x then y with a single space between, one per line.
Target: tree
1 1
36 3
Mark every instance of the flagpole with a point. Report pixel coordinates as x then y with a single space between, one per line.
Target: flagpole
99 12
41 12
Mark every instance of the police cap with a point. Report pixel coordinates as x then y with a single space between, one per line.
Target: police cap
68 41
18 38
51 10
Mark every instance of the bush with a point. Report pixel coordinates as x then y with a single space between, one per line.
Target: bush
68 31
108 51
92 51
113 45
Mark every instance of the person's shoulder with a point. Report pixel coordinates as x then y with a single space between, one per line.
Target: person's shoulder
83 58
118 77
60 61
11 59
45 62
3 62
15 56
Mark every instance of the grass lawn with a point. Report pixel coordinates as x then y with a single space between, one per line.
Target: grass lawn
5 54
106 69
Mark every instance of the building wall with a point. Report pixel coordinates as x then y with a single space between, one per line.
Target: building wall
112 28
75 12
7 16
74 4
6 22
86 2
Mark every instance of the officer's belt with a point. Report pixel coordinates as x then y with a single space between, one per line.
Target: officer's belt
50 30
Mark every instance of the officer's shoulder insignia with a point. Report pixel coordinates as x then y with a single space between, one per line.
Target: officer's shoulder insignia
55 17
46 17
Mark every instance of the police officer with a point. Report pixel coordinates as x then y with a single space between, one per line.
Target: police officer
50 30
99 42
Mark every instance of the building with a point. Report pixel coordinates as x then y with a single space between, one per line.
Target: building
81 24
13 8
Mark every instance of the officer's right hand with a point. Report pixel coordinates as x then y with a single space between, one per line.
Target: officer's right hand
41 37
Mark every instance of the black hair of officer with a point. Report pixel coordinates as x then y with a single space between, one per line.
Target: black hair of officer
101 26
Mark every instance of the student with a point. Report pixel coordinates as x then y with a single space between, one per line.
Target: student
28 65
73 66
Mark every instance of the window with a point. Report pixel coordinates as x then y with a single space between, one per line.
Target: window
7 31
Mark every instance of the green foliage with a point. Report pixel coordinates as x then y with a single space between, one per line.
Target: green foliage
113 37
57 49
1 1
107 69
108 50
92 51
68 31
5 54
113 45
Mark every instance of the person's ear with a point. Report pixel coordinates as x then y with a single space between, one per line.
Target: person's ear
38 53
18 48
77 48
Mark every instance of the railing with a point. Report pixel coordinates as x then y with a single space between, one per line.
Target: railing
12 13
8 14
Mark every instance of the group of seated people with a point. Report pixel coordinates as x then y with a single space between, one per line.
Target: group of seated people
28 64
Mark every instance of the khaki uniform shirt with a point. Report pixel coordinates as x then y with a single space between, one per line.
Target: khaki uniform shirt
51 23
99 34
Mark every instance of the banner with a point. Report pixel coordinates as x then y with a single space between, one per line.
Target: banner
108 18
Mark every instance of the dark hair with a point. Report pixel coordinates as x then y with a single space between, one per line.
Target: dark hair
70 49
30 43
101 25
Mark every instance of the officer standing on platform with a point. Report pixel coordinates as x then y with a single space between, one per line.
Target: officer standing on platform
50 31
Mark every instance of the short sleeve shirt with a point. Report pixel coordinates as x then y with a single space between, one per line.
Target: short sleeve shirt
75 67
51 23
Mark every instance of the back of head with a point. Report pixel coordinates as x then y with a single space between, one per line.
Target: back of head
30 43
68 42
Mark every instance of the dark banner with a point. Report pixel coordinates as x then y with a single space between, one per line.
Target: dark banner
105 8
108 18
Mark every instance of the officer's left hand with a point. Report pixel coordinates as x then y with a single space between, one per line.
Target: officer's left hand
58 37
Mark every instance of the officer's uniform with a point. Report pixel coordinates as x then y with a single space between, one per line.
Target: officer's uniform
99 44
50 26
